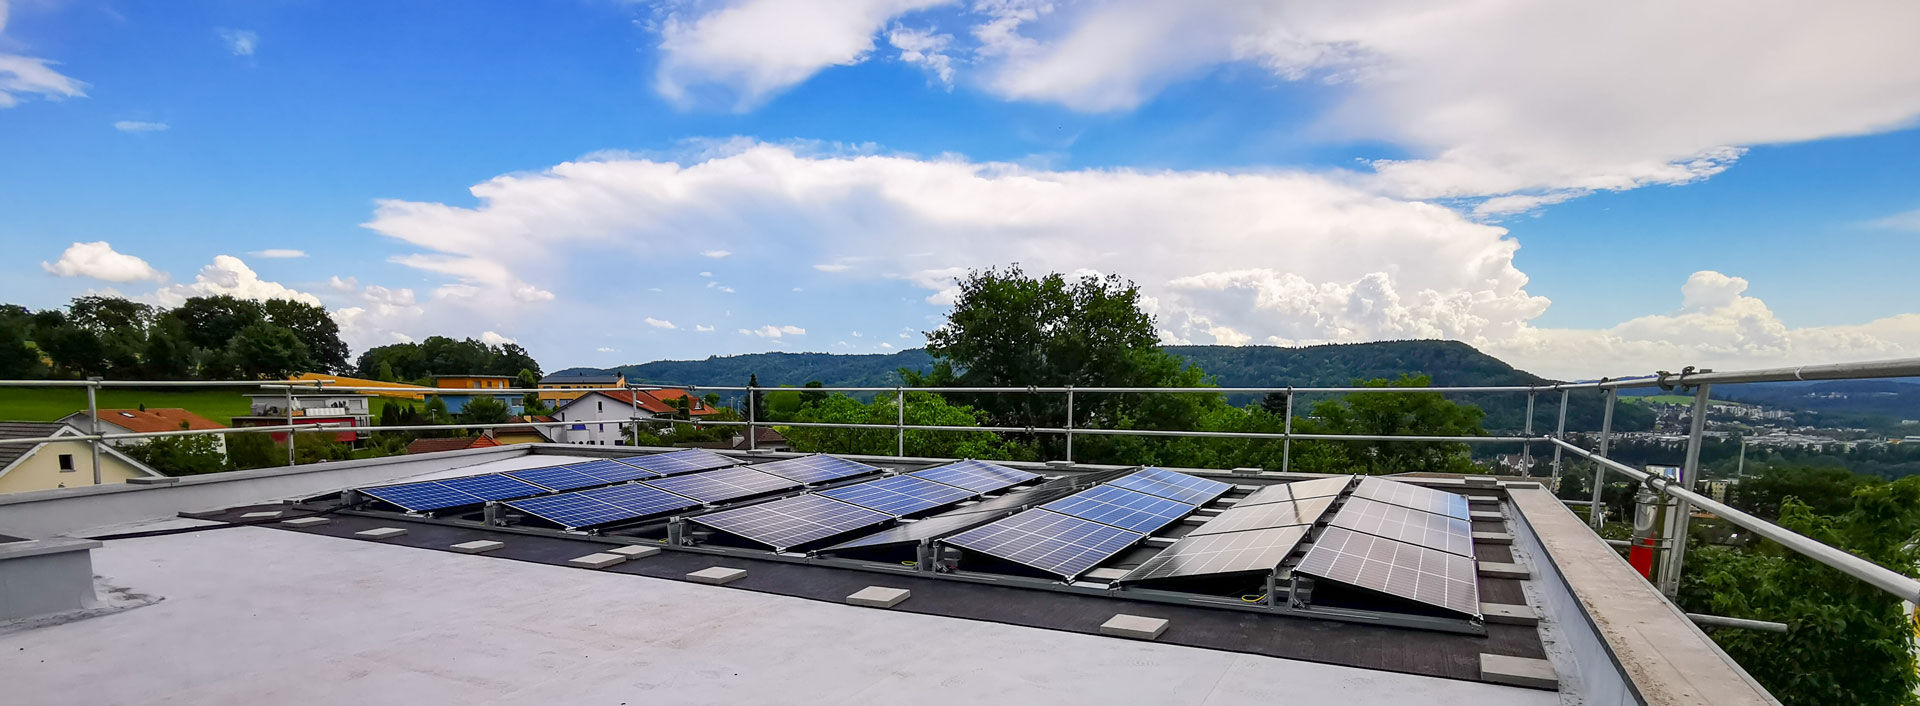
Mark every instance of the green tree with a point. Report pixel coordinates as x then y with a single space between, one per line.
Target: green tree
255 450
265 351
318 448
213 321
484 410
1846 641
315 328
1827 490
103 315
169 351
1393 414
813 395
182 455
19 360
757 401
923 409
75 351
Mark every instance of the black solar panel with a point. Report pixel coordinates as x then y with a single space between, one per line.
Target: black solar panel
1121 508
977 476
899 495
639 500
1413 496
452 492
684 461
1270 515
571 510
1412 572
1179 487
610 471
977 514
723 484
791 522
1447 534
818 468
1231 553
1049 541
555 478
1298 490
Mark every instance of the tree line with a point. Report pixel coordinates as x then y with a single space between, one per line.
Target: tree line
204 338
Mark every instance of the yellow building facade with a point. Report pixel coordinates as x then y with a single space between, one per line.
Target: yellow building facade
61 463
571 387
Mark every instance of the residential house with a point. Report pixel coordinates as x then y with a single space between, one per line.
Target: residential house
574 383
340 409
143 421
397 390
596 416
456 443
457 402
59 463
766 439
529 434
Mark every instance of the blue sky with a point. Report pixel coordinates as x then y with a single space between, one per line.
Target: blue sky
1581 191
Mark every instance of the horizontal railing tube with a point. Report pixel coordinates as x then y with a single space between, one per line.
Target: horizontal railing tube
1881 577
1721 621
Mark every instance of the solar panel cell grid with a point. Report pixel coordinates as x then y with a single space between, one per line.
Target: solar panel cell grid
722 484
1413 496
1121 508
571 510
977 476
423 497
1236 552
1298 490
555 478
1412 572
1270 515
1180 487
684 461
816 469
791 522
899 495
610 471
493 487
639 500
1426 529
1049 541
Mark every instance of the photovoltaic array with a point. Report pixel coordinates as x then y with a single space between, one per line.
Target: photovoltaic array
1049 541
1400 569
676 462
1412 496
428 496
1122 508
818 468
599 506
1269 515
1426 529
1297 490
723 484
791 522
1250 551
899 495
1178 487
556 478
977 476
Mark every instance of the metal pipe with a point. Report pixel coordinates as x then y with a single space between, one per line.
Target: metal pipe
1900 367
900 425
291 435
1069 424
93 413
753 426
1286 444
1721 621
1679 523
1560 432
1907 589
1526 450
1596 515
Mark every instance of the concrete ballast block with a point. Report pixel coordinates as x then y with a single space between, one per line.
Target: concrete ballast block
1500 570
382 532
1486 515
717 575
1521 485
307 521
478 546
260 515
1482 500
1481 480
1493 537
596 561
1509 614
635 551
1518 671
1137 627
879 597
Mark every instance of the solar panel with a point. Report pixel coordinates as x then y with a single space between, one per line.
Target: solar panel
555 478
610 471
722 484
571 510
1231 553
1270 515
977 476
639 500
1121 508
791 522
1426 529
1282 492
977 514
899 495
683 461
1048 541
1412 572
1413 496
1192 490
493 487
422 497
818 468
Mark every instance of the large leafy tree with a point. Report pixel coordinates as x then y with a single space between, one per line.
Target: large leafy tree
484 410
18 358
923 409
315 328
182 455
263 350
1846 641
212 322
1391 414
1826 490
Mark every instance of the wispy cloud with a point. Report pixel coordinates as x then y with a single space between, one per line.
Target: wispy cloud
1909 221
659 323
279 253
716 254
832 267
241 42
140 126
22 76
702 328
772 331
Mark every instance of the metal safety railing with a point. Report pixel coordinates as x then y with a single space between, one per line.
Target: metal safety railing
1682 491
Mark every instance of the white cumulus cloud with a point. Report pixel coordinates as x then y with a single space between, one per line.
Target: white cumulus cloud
98 260
745 51
659 323
702 328
493 338
772 331
231 276
278 253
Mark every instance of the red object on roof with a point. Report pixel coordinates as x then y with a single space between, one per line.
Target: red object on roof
656 401
427 446
157 419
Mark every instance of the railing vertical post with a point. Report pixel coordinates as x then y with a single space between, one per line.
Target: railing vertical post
1526 447
1069 424
1594 514
1682 510
900 423
1560 433
93 413
633 396
291 460
753 426
1286 442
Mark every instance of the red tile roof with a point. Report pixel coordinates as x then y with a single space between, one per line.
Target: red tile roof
157 419
427 446
655 401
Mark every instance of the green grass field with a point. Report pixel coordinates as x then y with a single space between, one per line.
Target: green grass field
46 404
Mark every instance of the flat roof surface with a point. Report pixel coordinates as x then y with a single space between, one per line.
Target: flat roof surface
255 615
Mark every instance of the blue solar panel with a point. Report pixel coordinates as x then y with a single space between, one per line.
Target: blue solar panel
818 468
570 510
421 497
1180 487
639 499
493 487
791 522
673 462
977 476
1413 496
555 478
1049 541
899 495
609 471
723 484
1121 508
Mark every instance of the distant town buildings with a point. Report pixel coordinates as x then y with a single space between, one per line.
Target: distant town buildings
457 402
596 415
574 385
341 409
